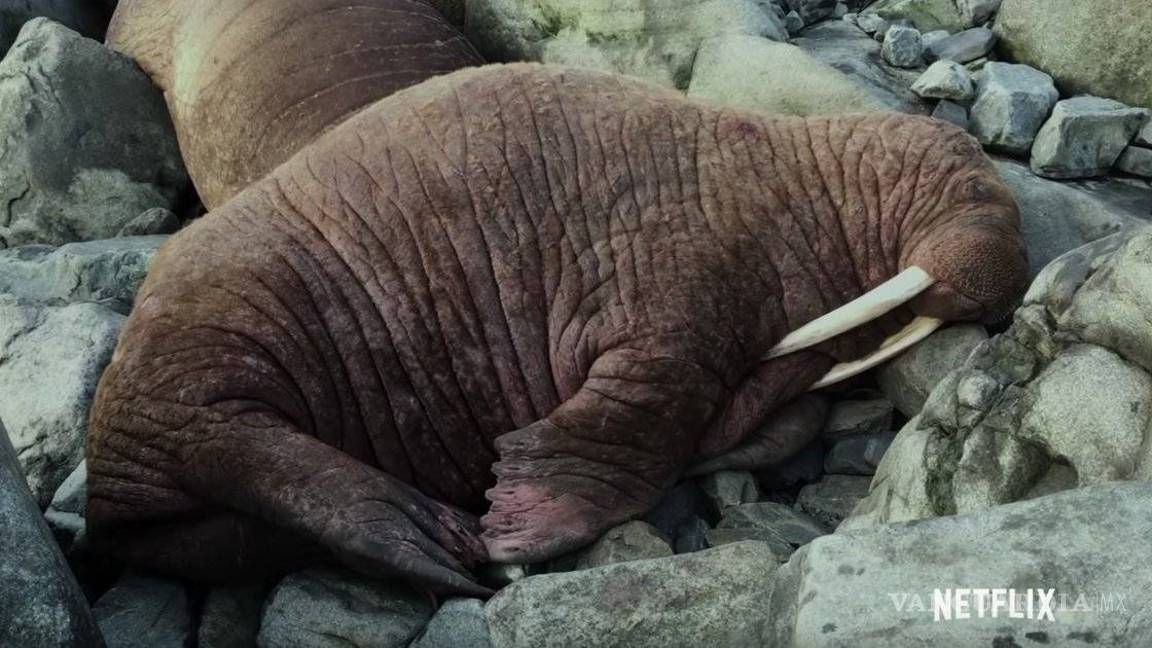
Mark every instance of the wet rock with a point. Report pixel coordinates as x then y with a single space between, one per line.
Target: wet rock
230 617
321 607
730 488
57 187
968 45
459 623
653 39
855 417
145 612
902 47
857 455
945 80
850 588
909 379
831 499
952 112
752 72
790 528
1012 103
108 271
716 596
51 358
630 541
153 221
1083 137
1136 161
40 603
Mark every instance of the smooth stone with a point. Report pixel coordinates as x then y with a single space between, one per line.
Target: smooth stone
963 47
945 80
871 23
1084 137
1136 161
459 623
1012 103
142 611
909 378
902 47
832 499
952 112
927 38
858 455
230 617
630 541
730 488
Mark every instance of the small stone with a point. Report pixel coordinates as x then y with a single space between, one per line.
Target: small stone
730 488
951 111
459 623
968 45
871 23
1083 137
909 379
831 499
944 80
859 455
902 47
1136 161
321 608
855 417
151 222
1012 102
790 526
793 22
927 38
231 617
145 612
633 540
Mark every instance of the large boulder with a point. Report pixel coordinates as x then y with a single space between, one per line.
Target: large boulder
1089 46
712 597
1087 549
51 358
89 17
1061 399
40 603
652 39
88 144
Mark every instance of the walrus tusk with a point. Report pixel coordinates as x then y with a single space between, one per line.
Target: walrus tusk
917 330
865 308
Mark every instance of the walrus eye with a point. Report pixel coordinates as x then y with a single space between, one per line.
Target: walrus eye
865 308
917 330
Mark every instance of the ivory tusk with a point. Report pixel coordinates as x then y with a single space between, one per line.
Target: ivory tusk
917 330
865 308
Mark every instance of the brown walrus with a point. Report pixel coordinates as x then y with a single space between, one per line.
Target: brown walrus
547 288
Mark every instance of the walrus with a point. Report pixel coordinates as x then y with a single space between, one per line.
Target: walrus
526 292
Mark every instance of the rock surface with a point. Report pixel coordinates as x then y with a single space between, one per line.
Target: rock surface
952 112
56 186
50 360
926 15
945 80
40 602
789 528
630 541
963 47
459 623
230 617
831 499
1012 103
653 39
908 379
87 17
752 72
730 488
875 587
320 607
145 612
712 597
1084 137
1136 161
1088 46
902 47
857 455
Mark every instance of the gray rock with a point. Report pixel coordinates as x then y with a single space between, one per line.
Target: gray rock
909 379
108 271
855 417
804 467
811 11
968 45
928 38
653 39
1136 161
730 488
1062 216
691 536
65 515
40 602
145 612
57 187
231 617
791 528
88 18
459 623
1083 137
153 221
902 47
871 23
712 597
926 15
945 80
875 587
779 547
953 112
1012 103
322 607
1144 135
977 12
793 22
751 72
50 360
831 499
858 455
633 540
840 10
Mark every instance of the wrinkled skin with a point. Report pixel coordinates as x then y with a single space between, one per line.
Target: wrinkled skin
250 82
545 288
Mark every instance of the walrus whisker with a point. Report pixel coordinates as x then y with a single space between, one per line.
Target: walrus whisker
897 343
865 308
